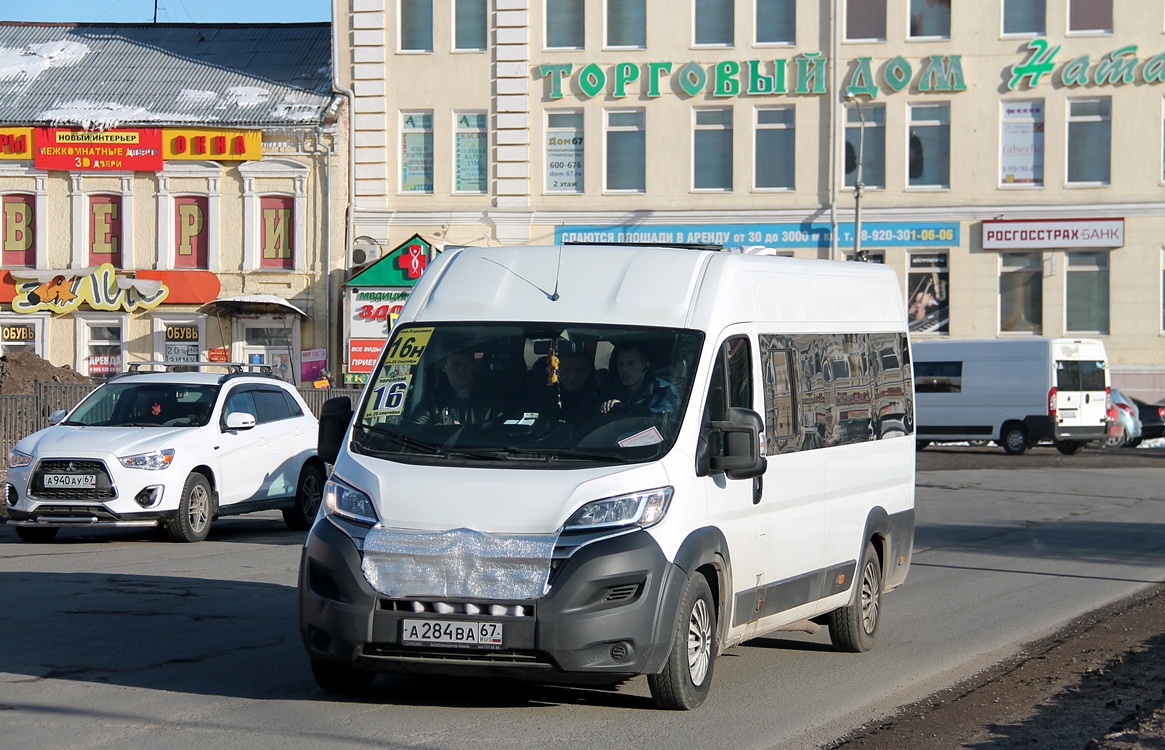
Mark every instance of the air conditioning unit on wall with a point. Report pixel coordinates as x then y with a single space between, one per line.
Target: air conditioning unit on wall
365 250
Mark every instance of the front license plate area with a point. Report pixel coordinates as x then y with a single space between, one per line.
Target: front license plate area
451 633
88 481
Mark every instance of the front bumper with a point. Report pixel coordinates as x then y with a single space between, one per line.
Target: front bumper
122 499
609 614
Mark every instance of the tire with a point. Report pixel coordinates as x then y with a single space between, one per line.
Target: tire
340 679
686 677
1069 447
921 444
192 521
308 494
1014 439
1133 443
1117 441
854 627
35 535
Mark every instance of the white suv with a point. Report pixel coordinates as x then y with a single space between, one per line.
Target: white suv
176 449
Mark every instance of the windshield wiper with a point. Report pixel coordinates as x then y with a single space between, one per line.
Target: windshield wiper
405 441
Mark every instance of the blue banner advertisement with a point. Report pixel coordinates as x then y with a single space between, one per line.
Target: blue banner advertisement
780 236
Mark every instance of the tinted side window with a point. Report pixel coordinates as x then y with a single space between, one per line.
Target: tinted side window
272 405
1072 375
292 405
240 400
938 377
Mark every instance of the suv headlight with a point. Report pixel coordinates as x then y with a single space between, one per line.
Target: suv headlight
17 459
348 502
152 461
641 509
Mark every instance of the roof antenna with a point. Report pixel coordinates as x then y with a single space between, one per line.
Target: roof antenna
557 274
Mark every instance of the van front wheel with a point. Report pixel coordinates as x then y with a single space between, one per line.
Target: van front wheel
687 676
853 628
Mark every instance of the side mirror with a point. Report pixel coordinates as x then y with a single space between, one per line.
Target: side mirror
739 456
335 416
58 416
239 420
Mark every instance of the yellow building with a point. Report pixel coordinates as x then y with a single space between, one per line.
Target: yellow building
1011 150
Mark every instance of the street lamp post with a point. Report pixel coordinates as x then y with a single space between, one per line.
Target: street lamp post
859 186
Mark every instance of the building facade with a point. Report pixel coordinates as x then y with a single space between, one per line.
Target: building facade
169 192
1010 152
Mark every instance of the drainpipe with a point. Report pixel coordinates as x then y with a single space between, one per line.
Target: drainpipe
335 365
326 152
834 139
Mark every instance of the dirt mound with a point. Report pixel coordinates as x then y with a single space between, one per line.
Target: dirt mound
20 372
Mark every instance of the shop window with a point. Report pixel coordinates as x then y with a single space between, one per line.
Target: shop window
1021 293
192 232
105 230
17 232
712 149
776 22
1090 16
928 304
930 19
416 169
865 20
714 22
627 23
929 146
565 24
277 214
180 338
626 150
22 333
1021 142
100 345
865 138
1024 17
564 152
1089 140
776 148
1086 305
416 25
470 25
470 160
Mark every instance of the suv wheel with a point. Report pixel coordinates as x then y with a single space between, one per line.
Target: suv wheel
308 494
192 522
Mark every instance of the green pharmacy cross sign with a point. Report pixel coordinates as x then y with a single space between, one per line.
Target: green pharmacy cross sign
402 266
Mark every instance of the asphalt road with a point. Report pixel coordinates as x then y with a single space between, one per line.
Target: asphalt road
125 640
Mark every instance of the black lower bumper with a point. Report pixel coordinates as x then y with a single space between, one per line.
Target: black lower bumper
609 614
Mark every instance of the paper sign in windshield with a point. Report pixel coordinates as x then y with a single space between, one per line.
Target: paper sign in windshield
407 346
650 436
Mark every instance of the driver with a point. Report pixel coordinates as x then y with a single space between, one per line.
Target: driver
636 389
458 399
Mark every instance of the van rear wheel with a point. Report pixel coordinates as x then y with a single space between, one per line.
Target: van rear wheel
1014 439
1069 447
687 676
854 627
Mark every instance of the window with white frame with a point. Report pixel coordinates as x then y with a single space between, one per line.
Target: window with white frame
1086 305
1021 293
22 333
626 150
865 139
100 344
930 19
627 23
564 152
470 25
714 22
1026 17
18 230
565 24
776 148
470 161
712 149
179 338
1090 16
416 25
865 20
416 153
929 145
1021 143
776 21
1089 140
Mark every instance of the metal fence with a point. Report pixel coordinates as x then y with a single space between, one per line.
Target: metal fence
25 414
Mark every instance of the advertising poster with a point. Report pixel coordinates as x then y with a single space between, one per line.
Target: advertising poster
416 163
1021 154
312 362
564 161
927 303
98 150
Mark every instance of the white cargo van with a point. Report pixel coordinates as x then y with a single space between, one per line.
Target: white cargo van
742 462
1014 391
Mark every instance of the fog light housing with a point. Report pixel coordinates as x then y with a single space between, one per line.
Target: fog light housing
10 498
149 497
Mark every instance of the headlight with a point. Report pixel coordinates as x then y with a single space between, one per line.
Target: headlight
637 509
348 502
152 461
16 459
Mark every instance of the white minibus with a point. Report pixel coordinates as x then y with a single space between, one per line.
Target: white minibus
587 463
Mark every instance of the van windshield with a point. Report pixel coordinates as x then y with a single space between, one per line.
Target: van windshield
468 393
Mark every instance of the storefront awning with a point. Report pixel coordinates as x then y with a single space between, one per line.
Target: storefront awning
253 304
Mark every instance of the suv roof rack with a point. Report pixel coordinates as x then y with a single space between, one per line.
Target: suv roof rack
233 368
680 245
